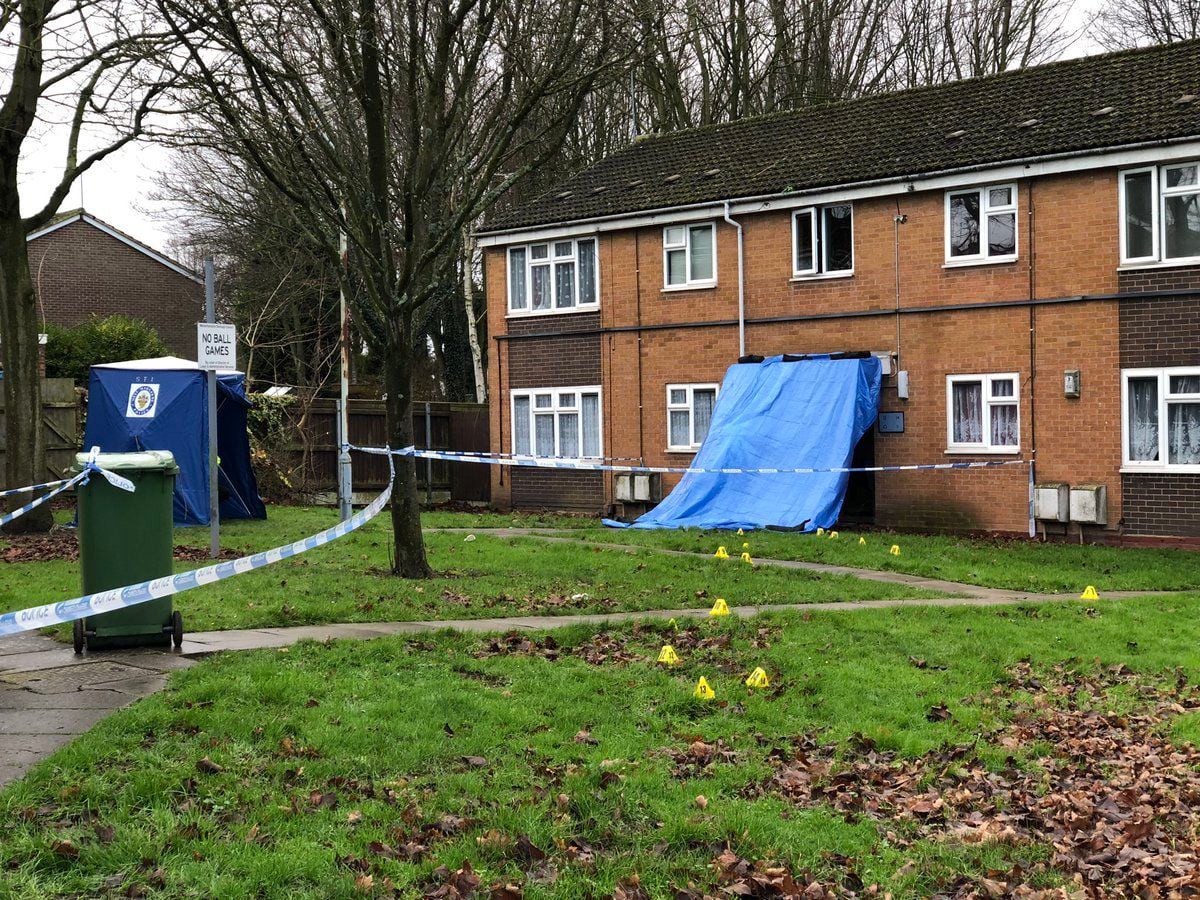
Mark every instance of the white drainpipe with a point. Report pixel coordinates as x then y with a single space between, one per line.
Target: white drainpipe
741 285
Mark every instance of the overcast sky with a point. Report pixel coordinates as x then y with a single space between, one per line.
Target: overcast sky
119 190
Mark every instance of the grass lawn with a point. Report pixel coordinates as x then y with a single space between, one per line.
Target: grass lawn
1017 564
400 766
490 576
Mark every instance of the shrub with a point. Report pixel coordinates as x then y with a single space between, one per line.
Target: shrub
271 433
70 352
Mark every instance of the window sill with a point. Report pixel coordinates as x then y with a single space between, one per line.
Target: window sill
970 263
696 286
687 451
535 314
1160 470
1181 263
821 276
983 451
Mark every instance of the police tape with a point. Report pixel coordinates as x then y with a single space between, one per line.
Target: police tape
82 478
542 462
133 594
29 489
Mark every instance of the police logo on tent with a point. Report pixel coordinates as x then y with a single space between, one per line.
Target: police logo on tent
143 401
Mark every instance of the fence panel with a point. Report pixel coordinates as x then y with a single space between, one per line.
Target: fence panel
60 427
451 426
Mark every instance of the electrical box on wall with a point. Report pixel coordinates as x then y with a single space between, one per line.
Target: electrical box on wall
1089 504
636 488
1072 383
902 384
1052 502
891 423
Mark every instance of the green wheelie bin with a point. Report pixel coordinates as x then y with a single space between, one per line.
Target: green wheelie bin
126 538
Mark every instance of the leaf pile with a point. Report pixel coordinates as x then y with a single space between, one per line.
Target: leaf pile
697 759
1114 799
62 544
604 648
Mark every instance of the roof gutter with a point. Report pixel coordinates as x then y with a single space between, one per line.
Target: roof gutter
898 183
741 284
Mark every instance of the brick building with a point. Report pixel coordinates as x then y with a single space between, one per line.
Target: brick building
1023 250
83 267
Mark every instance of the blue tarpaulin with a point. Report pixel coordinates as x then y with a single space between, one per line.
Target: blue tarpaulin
780 413
162 404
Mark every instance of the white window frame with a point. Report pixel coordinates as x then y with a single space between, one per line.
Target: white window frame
986 211
556 409
689 284
688 407
986 445
1164 400
816 215
1155 227
551 259
1158 185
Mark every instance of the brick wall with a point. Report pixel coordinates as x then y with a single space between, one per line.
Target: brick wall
1068 246
80 271
1161 331
1173 278
1162 504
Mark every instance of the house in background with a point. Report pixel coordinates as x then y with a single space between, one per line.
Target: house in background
83 267
1022 250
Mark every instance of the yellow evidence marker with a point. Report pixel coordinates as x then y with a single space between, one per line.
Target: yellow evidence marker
746 558
758 679
820 531
833 535
740 532
720 608
895 551
1089 593
703 691
721 553
667 656
862 541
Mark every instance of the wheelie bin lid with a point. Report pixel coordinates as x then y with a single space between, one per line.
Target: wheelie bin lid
141 461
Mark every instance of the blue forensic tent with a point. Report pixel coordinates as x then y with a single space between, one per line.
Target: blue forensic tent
783 412
162 404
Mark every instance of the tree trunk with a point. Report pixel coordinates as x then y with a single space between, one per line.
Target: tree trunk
472 322
25 451
406 509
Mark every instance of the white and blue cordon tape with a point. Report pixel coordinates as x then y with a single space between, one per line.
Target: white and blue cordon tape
60 486
133 594
544 462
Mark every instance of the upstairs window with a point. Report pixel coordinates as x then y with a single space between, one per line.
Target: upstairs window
983 413
689 256
981 224
823 241
689 413
1160 213
558 276
556 422
1162 419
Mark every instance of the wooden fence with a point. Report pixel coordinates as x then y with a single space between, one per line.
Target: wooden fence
440 426
61 420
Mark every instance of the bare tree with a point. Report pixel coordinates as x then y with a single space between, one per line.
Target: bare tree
80 65
1133 23
369 117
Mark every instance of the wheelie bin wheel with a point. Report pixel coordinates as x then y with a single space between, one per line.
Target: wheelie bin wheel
177 629
77 635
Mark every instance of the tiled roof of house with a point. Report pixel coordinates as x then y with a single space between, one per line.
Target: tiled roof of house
1074 106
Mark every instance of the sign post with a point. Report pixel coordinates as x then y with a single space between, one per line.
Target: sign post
216 348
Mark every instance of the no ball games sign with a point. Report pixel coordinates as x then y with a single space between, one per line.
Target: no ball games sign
216 346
